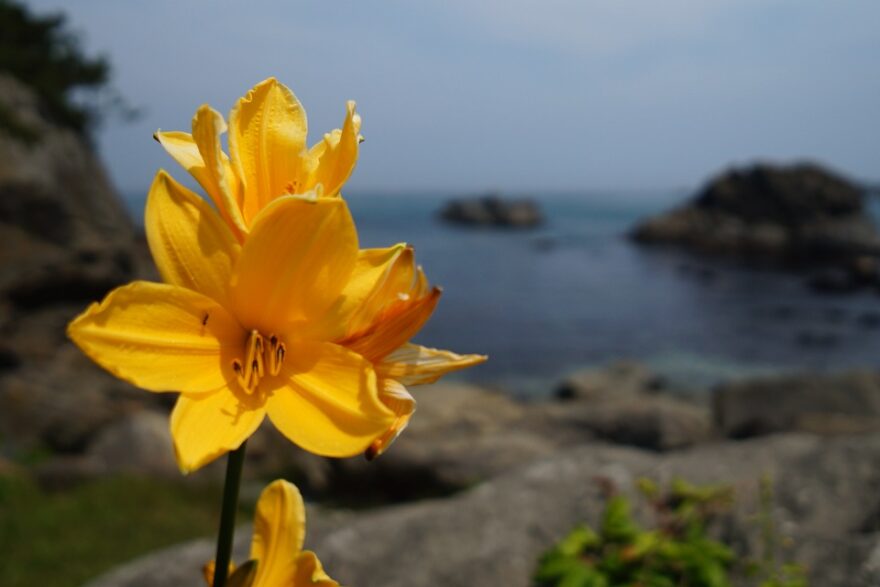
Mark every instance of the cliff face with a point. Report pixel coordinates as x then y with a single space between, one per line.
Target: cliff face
65 240
59 216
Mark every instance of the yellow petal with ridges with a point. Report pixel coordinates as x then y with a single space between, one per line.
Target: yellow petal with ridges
279 531
330 405
267 142
310 573
336 155
394 327
183 148
361 298
207 126
395 396
412 364
207 426
191 246
294 264
160 337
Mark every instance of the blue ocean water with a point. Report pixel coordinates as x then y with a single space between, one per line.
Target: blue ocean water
576 293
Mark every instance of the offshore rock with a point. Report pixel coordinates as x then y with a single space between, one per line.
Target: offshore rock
799 214
492 210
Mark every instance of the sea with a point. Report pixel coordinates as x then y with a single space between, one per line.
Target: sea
576 293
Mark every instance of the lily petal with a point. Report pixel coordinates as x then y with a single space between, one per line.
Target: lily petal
160 337
394 327
224 188
412 364
309 572
398 399
207 426
279 531
336 155
366 292
191 246
330 406
182 146
297 259
267 142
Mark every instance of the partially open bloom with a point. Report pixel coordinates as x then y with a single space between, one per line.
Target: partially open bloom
242 331
268 155
277 558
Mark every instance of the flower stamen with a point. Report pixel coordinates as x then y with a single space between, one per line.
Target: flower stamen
259 359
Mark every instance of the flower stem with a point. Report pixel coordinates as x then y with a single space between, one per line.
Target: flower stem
234 465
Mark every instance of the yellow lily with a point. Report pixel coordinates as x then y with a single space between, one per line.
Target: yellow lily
268 156
391 301
244 330
277 557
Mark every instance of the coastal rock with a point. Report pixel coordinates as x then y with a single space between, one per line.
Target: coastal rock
462 435
654 423
495 533
58 211
67 240
820 404
620 379
492 210
799 214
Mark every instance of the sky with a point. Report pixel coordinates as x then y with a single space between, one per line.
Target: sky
523 96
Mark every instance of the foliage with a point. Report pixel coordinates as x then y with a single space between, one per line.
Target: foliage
42 53
64 538
677 552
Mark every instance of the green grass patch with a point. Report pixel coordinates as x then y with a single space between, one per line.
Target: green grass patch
66 538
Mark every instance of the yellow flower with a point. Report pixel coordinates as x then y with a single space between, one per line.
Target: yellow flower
268 155
246 330
269 158
276 548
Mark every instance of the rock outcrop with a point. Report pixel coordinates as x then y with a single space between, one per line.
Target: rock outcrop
492 210
824 495
842 403
799 215
66 241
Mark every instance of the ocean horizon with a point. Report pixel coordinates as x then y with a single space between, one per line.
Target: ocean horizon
576 293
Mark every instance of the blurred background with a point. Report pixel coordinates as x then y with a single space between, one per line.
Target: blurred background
659 220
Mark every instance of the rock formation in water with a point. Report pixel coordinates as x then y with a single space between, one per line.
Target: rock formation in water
799 214
492 210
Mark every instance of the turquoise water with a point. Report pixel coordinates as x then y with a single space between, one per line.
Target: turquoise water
576 293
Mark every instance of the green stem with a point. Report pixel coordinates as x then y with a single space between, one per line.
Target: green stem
234 465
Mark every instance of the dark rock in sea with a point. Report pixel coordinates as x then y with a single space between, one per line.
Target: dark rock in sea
869 320
798 215
822 404
833 280
492 210
816 339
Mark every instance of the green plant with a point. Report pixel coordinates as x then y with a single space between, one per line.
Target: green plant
677 552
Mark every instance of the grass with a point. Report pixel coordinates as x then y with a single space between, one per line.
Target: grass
66 538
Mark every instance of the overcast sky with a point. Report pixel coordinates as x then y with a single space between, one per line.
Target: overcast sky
519 95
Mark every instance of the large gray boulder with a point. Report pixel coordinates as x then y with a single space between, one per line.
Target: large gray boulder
825 495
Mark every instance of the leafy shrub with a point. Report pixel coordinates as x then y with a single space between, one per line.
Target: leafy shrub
677 552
